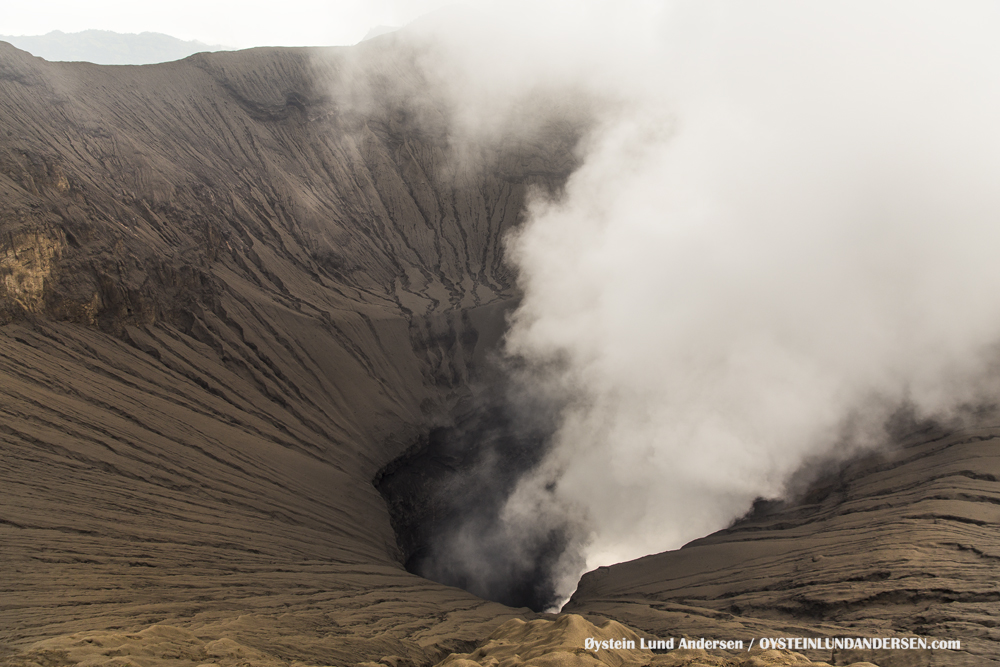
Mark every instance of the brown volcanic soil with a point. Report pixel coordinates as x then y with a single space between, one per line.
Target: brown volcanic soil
902 543
234 287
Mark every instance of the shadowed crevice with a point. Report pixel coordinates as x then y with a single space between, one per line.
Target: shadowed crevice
446 497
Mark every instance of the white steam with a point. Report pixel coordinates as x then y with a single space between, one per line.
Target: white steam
786 224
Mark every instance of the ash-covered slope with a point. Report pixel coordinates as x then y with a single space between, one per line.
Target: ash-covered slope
233 287
902 543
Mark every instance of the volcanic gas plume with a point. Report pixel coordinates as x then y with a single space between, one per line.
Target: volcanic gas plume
780 233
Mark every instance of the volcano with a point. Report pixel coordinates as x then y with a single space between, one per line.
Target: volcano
239 288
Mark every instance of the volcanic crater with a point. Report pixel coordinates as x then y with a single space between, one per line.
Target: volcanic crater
240 291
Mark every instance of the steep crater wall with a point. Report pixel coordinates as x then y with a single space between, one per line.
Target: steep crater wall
448 492
234 288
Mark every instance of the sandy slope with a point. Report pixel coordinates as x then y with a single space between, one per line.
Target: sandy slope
229 298
903 543
537 643
232 288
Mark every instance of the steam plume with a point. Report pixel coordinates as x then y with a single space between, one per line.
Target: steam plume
785 226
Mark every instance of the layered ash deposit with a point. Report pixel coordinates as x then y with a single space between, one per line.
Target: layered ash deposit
234 289
901 543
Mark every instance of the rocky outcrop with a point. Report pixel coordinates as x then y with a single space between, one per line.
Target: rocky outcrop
24 270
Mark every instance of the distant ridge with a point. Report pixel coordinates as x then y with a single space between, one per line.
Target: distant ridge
105 47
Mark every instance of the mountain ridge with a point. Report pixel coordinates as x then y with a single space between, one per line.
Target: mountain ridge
106 47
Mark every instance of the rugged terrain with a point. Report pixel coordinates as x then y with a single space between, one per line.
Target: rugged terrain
233 288
900 543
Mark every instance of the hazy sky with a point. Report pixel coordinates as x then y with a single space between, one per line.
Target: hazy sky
236 23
